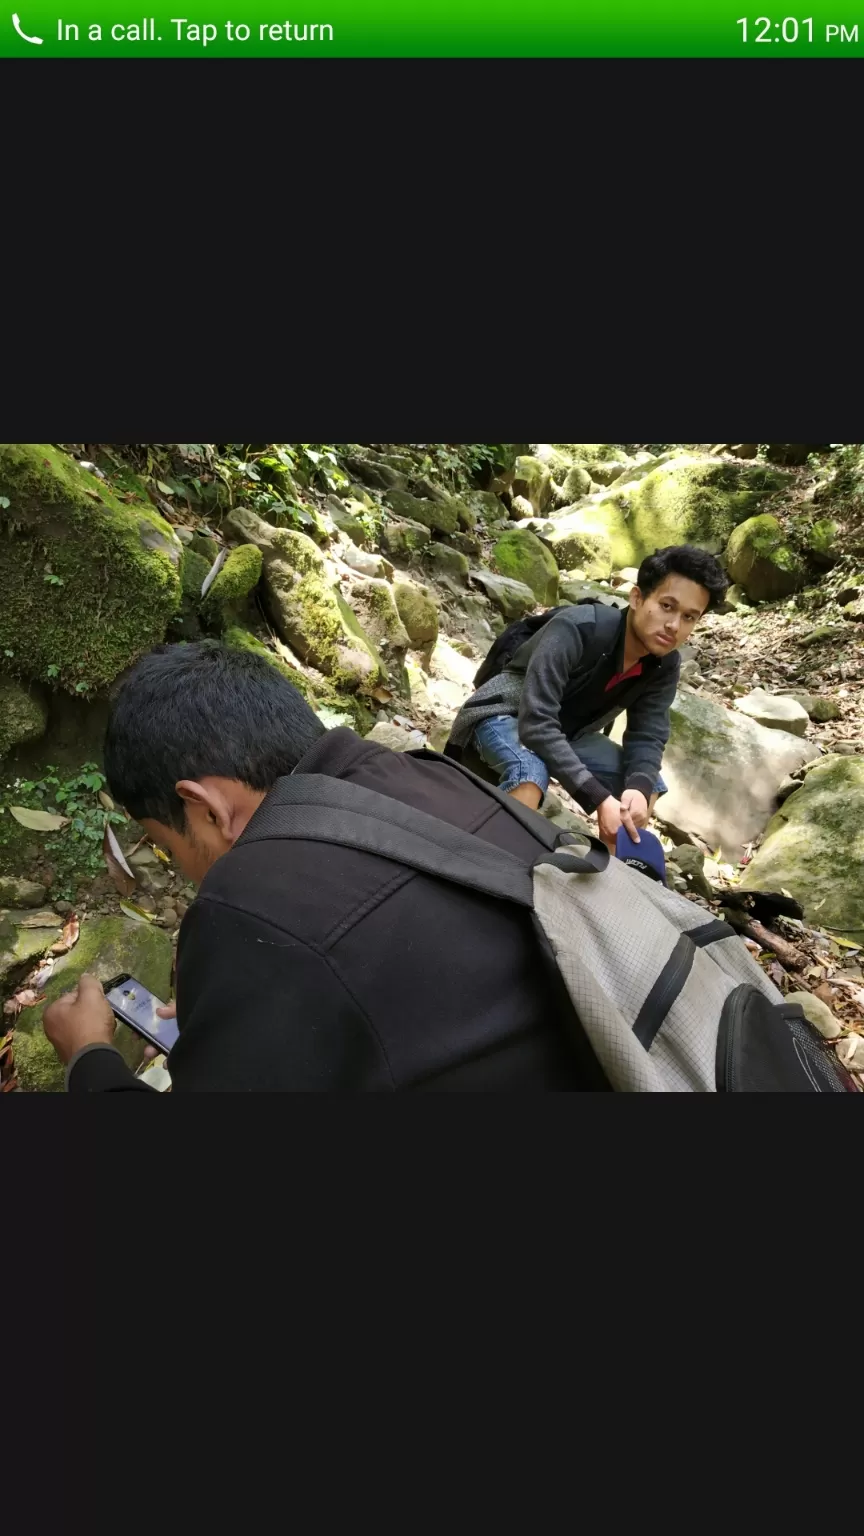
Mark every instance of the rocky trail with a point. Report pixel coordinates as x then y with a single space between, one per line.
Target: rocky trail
376 577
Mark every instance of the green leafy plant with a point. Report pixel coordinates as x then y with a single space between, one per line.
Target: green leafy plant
74 852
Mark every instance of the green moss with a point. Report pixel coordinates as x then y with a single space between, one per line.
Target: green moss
193 570
418 612
238 577
23 716
440 515
814 847
204 545
400 539
115 570
761 561
587 548
520 555
380 614
686 500
533 479
822 535
107 947
317 692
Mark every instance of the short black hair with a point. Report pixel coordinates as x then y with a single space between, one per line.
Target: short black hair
684 560
188 711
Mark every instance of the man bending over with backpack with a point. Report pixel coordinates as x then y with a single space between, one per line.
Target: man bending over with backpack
542 712
308 963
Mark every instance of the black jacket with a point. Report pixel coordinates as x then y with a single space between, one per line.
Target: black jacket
305 966
556 685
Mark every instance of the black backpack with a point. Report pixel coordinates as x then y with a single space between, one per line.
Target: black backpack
515 635
509 642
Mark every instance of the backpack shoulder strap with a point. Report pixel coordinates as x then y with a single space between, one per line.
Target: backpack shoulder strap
313 807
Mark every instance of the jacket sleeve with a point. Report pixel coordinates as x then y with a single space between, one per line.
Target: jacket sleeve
558 654
648 732
260 1011
101 1069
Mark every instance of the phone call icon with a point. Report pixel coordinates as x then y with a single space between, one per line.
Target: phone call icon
21 33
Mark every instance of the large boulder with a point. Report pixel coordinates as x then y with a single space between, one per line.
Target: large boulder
442 516
87 582
759 559
814 847
774 712
723 772
107 947
575 543
685 500
23 716
513 598
533 480
520 555
306 608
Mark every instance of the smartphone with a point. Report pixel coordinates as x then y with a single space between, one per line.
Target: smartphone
131 1002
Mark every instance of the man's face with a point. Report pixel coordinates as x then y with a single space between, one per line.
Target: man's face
217 811
667 617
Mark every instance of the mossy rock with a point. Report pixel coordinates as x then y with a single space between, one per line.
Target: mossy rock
116 570
232 585
418 612
759 559
346 518
400 538
445 561
575 484
686 500
318 692
820 539
23 715
442 516
520 555
814 847
374 605
19 943
204 544
533 480
308 612
591 453
489 508
193 571
107 947
575 544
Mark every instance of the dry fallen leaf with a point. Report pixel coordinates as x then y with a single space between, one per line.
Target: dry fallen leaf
121 875
68 938
105 801
137 914
37 821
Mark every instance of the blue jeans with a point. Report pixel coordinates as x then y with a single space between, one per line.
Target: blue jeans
497 741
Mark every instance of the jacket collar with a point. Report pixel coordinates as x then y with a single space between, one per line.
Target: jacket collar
337 752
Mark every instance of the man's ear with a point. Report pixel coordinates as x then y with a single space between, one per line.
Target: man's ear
205 803
635 599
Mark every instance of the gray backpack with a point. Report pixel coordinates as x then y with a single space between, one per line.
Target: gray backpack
669 1001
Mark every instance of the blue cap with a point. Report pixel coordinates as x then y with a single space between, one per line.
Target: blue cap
647 855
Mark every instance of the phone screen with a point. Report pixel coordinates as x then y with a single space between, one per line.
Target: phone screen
132 1003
